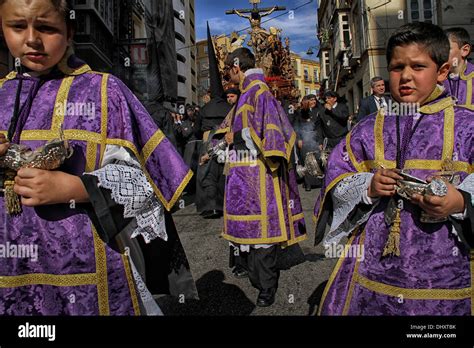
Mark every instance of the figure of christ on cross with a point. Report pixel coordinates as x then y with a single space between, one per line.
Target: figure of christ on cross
258 35
255 14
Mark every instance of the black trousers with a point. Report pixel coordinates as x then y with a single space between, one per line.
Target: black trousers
210 186
261 265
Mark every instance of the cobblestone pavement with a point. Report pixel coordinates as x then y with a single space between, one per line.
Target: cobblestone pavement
304 273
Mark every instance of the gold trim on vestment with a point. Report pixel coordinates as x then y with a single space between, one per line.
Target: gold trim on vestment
350 293
77 279
104 115
131 284
358 166
463 76
262 89
10 76
469 94
60 105
152 144
232 217
263 197
91 157
251 85
262 218
333 275
412 294
101 271
448 135
167 204
378 133
278 197
437 107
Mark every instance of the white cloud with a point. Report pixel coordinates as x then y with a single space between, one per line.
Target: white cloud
302 25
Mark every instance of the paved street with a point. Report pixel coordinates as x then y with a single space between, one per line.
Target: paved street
304 271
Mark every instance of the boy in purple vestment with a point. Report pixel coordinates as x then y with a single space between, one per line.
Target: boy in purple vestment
262 208
459 81
396 261
109 200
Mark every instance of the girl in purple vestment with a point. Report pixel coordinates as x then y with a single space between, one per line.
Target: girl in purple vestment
121 181
396 261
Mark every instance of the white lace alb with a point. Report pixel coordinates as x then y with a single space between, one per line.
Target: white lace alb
148 302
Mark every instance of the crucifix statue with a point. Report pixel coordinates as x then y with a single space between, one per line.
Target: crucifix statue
258 35
255 14
270 54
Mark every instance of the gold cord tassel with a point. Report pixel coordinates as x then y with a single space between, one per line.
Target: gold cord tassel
12 200
226 168
392 247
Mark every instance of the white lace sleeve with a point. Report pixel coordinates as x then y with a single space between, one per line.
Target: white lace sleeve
468 186
248 140
121 174
346 195
130 188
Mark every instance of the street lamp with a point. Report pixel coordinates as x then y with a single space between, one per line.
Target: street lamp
310 50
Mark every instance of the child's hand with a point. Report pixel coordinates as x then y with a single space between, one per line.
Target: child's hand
383 183
41 187
441 207
4 144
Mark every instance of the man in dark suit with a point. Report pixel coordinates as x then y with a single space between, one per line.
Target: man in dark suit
306 125
374 102
333 119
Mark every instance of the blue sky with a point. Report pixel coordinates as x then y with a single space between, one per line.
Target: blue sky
301 29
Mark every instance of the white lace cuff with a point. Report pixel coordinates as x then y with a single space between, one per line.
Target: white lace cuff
346 195
248 140
130 188
468 186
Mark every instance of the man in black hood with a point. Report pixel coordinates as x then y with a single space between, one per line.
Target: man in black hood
232 95
210 180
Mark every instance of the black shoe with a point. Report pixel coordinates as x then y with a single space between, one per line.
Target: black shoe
213 214
266 297
240 272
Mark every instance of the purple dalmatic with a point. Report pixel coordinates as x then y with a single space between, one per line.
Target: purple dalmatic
262 204
433 273
74 272
460 87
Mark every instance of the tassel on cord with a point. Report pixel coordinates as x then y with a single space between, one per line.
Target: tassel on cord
226 163
392 247
12 200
